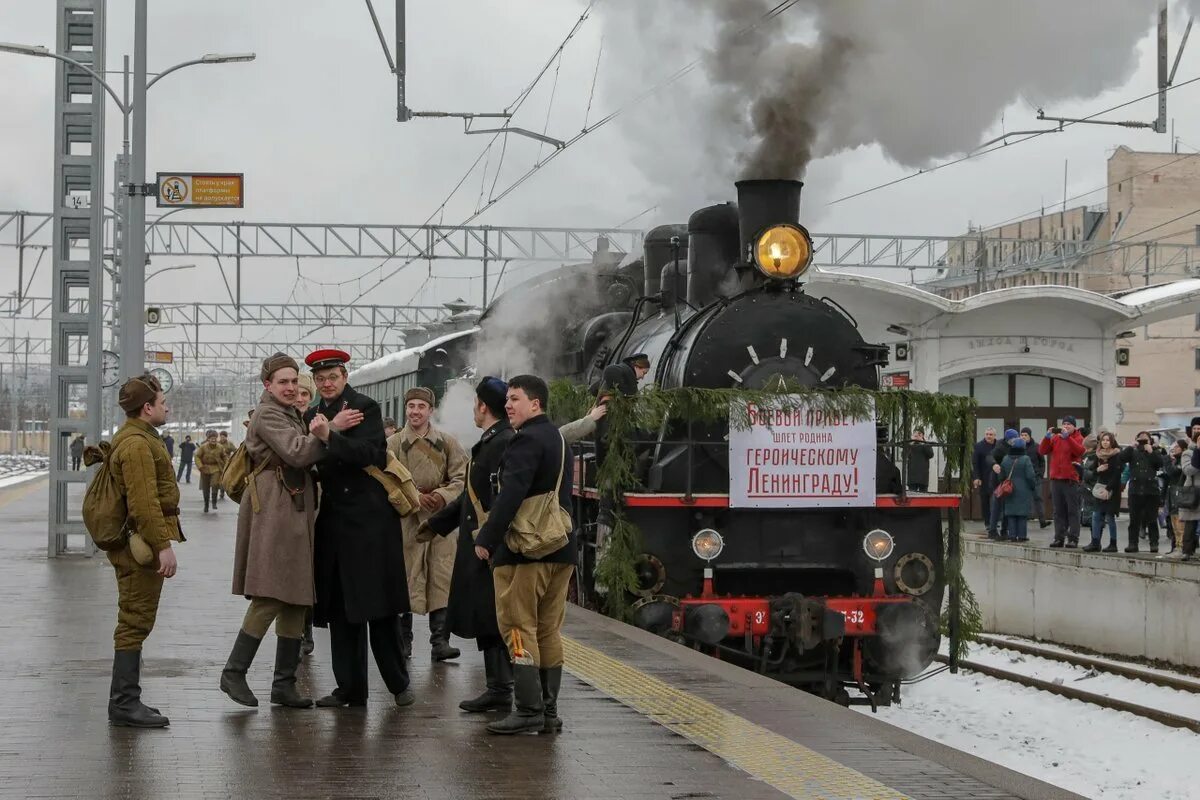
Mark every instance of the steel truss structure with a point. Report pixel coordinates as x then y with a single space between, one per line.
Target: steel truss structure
77 250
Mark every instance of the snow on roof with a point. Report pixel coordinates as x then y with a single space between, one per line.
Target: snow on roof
401 362
1154 294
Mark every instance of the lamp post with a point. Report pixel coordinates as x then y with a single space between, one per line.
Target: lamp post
132 263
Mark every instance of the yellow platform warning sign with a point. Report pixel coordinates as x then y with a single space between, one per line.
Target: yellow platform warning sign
201 190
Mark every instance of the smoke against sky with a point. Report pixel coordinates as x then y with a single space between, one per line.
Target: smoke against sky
920 79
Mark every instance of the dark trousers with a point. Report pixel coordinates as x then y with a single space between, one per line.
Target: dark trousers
1017 527
1039 508
1143 516
985 500
348 649
1189 537
998 524
182 466
76 462
1065 496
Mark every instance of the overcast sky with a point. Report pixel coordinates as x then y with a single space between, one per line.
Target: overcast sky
312 125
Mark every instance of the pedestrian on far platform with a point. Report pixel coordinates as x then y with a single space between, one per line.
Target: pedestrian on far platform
1102 471
981 473
1018 468
1173 477
1064 446
1190 516
210 458
998 524
78 445
1144 462
187 449
1039 472
169 441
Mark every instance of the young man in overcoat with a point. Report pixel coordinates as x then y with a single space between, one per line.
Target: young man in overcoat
438 465
472 610
531 594
273 554
359 567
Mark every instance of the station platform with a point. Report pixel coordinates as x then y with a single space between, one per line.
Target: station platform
644 717
1130 604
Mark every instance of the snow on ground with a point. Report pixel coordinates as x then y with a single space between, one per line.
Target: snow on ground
1095 752
17 469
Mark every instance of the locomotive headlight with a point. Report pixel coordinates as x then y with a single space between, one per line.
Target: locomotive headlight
783 252
707 544
878 544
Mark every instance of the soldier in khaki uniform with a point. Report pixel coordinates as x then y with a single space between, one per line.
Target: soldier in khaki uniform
210 458
230 448
438 465
142 469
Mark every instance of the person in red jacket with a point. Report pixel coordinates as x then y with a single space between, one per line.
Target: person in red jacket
1064 446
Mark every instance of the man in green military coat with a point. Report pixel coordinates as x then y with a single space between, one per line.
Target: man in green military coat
142 469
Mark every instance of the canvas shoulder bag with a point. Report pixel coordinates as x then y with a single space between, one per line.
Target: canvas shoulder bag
541 525
480 515
397 480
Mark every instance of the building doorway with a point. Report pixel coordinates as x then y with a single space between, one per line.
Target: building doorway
1021 400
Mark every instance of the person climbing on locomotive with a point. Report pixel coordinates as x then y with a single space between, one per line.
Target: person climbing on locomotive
624 376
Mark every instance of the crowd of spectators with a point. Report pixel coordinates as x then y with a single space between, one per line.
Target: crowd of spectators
1090 474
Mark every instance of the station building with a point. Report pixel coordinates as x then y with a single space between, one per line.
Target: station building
1146 234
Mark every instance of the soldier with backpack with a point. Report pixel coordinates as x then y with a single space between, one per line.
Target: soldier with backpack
138 474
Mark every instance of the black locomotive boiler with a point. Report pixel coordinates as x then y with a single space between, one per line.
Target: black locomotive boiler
825 598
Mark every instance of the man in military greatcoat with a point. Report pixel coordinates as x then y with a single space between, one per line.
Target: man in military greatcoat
359 552
210 458
472 610
438 464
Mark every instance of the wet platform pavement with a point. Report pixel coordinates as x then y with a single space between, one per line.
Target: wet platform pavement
644 718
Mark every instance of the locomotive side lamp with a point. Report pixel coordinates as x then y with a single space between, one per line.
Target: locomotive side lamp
878 545
783 252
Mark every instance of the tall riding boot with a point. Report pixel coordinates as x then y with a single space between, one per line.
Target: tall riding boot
499 693
404 630
527 716
307 645
439 637
125 707
551 682
233 677
283 689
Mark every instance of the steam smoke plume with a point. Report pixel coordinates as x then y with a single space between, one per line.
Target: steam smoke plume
922 79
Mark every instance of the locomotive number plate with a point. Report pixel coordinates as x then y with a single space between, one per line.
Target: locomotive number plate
859 616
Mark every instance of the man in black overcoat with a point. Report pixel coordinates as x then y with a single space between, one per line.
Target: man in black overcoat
471 613
359 552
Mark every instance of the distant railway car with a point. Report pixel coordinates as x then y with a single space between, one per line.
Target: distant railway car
432 364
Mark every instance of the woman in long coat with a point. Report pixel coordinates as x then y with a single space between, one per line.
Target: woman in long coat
1103 468
273 556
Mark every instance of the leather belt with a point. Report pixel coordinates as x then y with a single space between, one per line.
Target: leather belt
170 512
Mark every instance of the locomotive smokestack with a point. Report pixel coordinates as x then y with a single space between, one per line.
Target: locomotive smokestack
761 204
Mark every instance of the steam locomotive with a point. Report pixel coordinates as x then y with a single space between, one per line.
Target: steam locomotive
828 599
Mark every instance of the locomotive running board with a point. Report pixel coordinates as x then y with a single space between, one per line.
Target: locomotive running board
656 500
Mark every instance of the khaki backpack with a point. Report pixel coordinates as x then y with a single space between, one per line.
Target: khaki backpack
397 480
239 473
104 510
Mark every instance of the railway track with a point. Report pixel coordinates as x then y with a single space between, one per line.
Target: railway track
1092 698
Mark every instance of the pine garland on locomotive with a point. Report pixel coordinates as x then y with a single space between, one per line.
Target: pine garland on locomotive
819 597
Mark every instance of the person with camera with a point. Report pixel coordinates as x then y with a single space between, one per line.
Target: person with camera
1102 479
1188 497
1144 461
1064 446
1172 474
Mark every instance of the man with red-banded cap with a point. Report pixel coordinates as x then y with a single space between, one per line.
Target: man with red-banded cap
359 552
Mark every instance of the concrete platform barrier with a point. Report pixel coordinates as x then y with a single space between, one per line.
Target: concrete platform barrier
1111 603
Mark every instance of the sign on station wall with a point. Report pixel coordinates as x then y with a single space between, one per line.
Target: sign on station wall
801 457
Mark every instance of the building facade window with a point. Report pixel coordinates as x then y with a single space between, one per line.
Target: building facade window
1197 351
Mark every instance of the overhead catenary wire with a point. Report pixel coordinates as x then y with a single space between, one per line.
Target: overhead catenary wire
985 151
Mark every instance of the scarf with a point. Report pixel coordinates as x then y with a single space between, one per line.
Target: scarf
1105 455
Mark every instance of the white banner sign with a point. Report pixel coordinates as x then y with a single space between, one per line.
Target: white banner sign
802 457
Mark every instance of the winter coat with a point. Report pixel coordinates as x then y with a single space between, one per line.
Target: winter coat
1109 478
1019 469
169 441
1172 476
142 469
1143 469
1063 451
211 457
438 464
186 451
78 446
581 428
531 465
472 610
980 469
919 456
273 554
1190 471
1037 460
359 564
